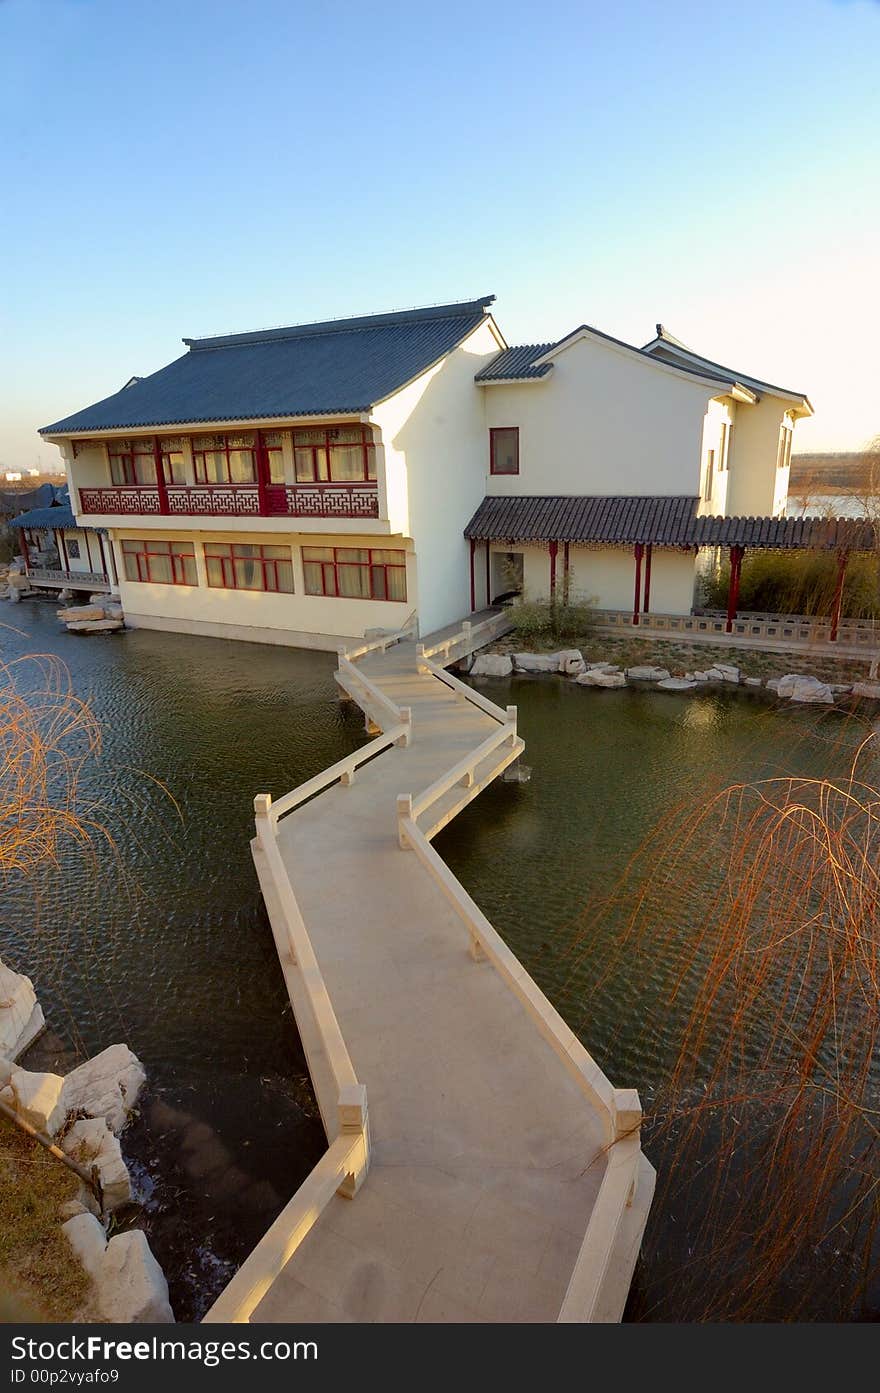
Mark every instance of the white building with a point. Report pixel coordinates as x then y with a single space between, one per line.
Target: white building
303 485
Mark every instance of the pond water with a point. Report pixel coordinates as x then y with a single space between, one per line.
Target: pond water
161 940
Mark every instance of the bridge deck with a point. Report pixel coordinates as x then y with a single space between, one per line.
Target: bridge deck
486 1156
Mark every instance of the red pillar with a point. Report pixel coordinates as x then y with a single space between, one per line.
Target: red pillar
160 476
646 603
566 574
262 458
554 548
638 552
736 556
842 559
24 550
473 585
488 575
103 557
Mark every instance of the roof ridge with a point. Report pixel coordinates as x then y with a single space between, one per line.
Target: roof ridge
350 324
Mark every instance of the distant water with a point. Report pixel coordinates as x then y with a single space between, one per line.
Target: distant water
823 505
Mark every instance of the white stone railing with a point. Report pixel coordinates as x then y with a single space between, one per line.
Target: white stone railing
470 693
381 710
345 1158
412 806
343 771
383 642
796 630
343 1168
618 1108
468 637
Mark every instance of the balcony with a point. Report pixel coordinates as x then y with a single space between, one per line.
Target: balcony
360 500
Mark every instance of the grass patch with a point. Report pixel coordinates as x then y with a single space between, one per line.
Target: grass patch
40 1278
541 622
778 582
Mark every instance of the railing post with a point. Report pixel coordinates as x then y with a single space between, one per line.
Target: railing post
347 777
404 810
263 814
406 719
354 1118
626 1112
420 660
511 719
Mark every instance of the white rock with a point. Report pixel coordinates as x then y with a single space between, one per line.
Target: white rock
91 1142
88 1240
601 679
701 677
570 660
114 611
603 667
812 690
646 672
871 690
690 677
773 684
786 685
492 665
71 1209
95 626
130 1284
21 1018
90 611
38 1098
714 674
752 681
106 1086
101 599
675 684
728 672
840 688
535 662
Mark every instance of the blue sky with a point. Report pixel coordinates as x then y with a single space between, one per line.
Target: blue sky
182 168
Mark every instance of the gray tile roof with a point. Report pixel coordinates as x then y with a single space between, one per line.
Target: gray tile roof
343 365
60 516
622 520
516 364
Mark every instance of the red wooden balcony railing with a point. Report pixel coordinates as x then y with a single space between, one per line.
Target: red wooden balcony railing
360 500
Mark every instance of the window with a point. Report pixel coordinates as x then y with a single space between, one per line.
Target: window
275 455
172 461
241 566
710 474
163 563
783 456
338 455
504 450
723 447
132 461
225 459
73 549
355 573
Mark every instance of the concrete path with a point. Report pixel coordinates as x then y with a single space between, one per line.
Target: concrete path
486 1156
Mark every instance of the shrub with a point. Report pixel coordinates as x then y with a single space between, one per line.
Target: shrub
541 621
802 582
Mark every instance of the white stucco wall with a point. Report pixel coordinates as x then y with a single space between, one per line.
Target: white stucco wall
605 421
757 488
436 449
721 412
255 614
605 577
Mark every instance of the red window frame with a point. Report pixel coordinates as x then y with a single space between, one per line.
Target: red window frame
227 553
124 452
330 572
199 460
142 549
503 430
366 442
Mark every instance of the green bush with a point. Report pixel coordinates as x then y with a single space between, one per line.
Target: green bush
799 582
539 621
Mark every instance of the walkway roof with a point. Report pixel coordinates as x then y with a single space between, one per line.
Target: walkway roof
42 519
337 366
624 519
